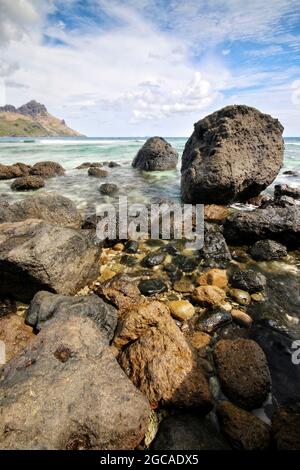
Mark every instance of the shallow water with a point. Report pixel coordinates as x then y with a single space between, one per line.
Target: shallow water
138 186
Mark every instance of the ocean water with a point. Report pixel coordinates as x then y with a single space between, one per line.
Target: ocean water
137 186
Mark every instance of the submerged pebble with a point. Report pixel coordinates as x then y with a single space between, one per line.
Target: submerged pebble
152 286
181 309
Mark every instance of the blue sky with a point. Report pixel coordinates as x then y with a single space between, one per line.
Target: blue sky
121 68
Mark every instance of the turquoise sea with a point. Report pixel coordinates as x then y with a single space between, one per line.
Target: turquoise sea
138 186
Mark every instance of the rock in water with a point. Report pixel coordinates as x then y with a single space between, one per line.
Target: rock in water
156 154
267 250
232 155
36 256
28 183
248 280
281 224
66 391
47 169
52 208
285 426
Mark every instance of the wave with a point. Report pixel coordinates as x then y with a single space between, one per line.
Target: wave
83 142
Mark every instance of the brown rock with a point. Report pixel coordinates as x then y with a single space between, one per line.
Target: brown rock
207 296
215 213
183 286
181 309
241 317
214 277
120 291
8 172
243 372
240 296
158 359
97 172
285 427
47 169
15 335
27 183
67 391
243 429
200 340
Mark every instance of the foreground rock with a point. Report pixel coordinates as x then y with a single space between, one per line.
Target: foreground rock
93 404
158 359
156 154
52 208
281 224
45 306
267 250
285 190
215 252
232 155
243 372
285 426
120 292
243 430
27 183
47 169
36 256
185 431
15 335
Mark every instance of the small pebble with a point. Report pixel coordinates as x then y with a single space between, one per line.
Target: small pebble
181 309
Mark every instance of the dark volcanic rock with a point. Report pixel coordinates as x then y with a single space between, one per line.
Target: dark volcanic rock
66 391
153 259
232 155
266 250
46 305
152 286
243 372
243 429
156 154
36 256
281 224
97 172
108 189
131 246
286 425
285 190
28 183
185 263
47 169
214 321
215 252
52 208
33 109
248 280
185 431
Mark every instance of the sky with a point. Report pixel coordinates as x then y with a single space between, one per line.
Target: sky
151 67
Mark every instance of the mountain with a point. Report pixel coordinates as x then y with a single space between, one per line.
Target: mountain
32 120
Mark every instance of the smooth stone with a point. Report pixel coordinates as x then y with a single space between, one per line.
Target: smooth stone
240 296
185 263
118 247
131 246
241 318
152 286
214 277
257 297
181 309
214 321
153 259
207 296
128 260
215 213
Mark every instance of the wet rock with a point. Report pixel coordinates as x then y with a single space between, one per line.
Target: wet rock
153 259
113 165
214 321
207 296
118 247
128 260
7 306
241 318
240 296
260 200
52 208
185 263
281 224
215 252
267 250
170 249
285 190
243 372
156 154
243 430
8 172
181 309
37 256
232 155
97 172
108 189
184 286
47 169
131 246
85 165
158 359
185 431
285 427
291 173
120 291
15 335
27 183
200 340
248 280
215 213
214 277
93 401
45 305
152 287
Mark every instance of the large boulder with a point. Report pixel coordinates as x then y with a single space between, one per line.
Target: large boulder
281 224
158 360
8 172
155 155
36 256
28 183
47 169
67 391
45 305
243 372
52 208
232 155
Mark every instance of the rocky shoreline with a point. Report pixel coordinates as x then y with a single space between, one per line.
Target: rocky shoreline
148 344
